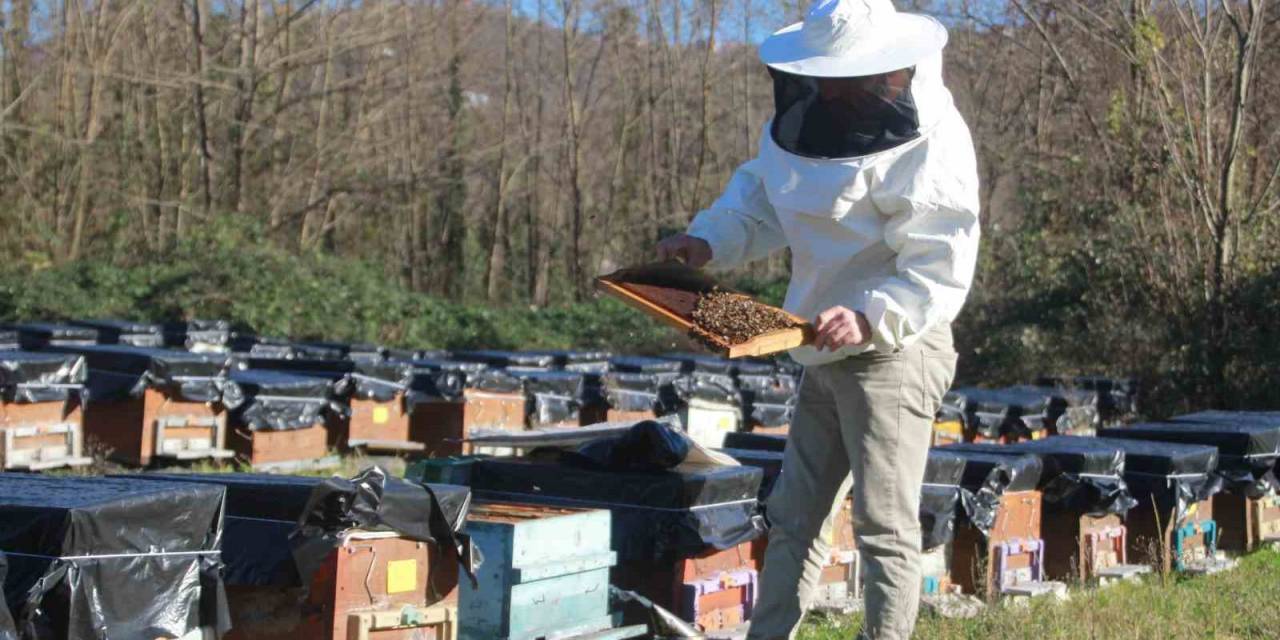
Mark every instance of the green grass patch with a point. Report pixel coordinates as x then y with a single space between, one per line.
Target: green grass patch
1238 604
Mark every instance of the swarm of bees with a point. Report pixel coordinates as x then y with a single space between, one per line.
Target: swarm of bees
734 318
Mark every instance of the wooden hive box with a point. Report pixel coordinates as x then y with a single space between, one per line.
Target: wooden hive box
490 400
335 582
669 292
715 590
1165 529
1248 443
545 573
41 419
280 423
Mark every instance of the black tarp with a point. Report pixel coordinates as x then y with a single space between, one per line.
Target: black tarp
359 352
381 381
1081 474
657 515
708 387
105 558
477 375
505 359
1080 478
755 441
754 367
644 364
641 391
702 363
768 400
426 384
1247 453
768 462
1117 397
1071 411
127 332
952 408
279 401
1010 412
117 372
988 475
279 528
8 631
1175 476
941 498
27 376
552 396
8 339
581 361
33 336
198 335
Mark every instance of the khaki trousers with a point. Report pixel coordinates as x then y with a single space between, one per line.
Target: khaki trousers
865 421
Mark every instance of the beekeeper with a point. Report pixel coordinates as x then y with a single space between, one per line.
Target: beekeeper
867 173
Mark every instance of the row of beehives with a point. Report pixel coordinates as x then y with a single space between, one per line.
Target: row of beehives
1024 518
641 508
67 391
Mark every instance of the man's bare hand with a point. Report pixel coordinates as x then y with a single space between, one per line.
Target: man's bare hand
840 327
692 251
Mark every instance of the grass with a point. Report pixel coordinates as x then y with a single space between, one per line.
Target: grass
1238 604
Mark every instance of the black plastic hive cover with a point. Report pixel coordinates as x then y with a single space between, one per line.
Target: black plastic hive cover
1173 475
278 401
702 363
759 441
8 339
769 399
657 515
94 558
138 334
270 517
940 498
8 631
197 334
708 387
37 335
504 359
643 364
1079 475
1247 453
28 376
640 391
120 371
768 462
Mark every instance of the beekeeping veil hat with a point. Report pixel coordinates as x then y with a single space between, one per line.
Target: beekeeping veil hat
847 80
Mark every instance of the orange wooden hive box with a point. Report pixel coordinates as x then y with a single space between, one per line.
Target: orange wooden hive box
669 292
41 421
147 404
280 421
336 578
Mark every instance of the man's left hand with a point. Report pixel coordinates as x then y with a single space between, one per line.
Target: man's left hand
840 327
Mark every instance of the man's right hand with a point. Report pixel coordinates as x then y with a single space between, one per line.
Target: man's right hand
688 249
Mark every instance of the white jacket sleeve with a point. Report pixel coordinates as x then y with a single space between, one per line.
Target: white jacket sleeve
741 226
933 227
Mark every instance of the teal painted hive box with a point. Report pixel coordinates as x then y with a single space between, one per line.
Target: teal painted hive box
545 573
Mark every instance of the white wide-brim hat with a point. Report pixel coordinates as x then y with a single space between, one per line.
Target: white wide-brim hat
847 38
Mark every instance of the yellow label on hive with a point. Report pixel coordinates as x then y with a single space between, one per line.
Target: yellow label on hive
402 576
381 415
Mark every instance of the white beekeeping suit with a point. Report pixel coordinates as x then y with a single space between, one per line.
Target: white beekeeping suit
892 233
867 173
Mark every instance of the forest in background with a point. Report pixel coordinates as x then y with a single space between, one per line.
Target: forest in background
455 172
